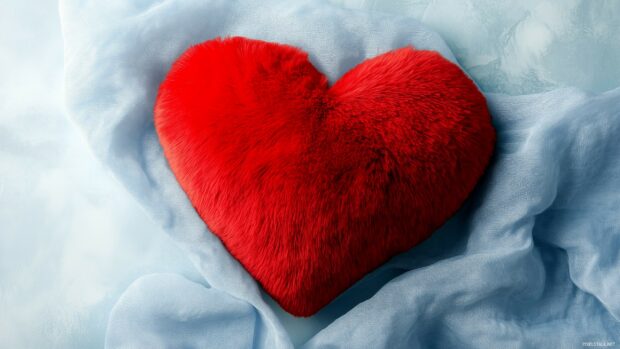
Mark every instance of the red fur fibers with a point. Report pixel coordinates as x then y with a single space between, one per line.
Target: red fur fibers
312 186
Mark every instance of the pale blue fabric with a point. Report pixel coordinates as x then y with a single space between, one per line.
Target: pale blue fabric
531 260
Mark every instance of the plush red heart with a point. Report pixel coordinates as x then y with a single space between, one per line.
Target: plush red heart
309 186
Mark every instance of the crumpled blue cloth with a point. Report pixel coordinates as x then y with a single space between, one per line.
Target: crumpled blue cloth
530 261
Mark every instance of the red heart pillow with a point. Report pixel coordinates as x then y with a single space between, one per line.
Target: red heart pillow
312 186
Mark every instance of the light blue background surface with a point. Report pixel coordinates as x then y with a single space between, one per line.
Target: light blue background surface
530 259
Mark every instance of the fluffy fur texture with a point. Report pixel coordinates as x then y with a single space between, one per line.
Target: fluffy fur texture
309 186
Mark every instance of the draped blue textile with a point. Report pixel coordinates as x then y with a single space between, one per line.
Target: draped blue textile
531 260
